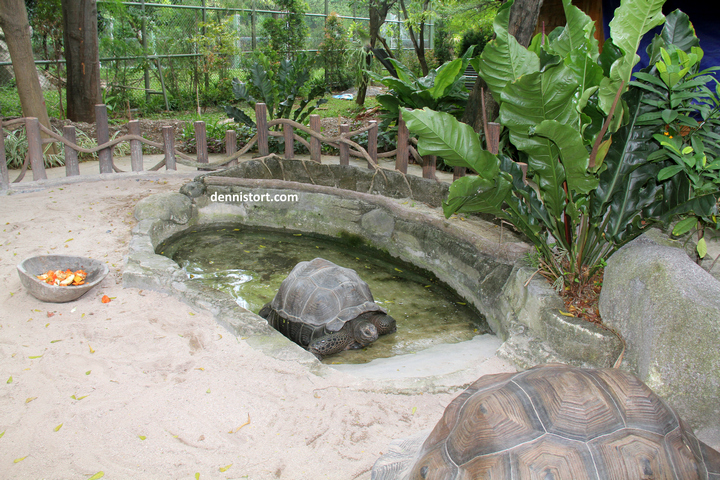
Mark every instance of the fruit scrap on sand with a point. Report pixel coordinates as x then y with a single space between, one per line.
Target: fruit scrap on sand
63 278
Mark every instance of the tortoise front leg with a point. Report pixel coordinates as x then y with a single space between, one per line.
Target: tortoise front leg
330 343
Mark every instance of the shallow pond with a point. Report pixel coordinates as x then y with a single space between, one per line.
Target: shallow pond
250 264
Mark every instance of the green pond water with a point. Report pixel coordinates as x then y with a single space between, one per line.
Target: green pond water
250 264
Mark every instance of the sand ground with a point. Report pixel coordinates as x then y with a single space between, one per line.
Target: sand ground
148 387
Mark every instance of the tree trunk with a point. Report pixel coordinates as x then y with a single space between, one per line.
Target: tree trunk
14 22
523 20
82 59
378 12
418 46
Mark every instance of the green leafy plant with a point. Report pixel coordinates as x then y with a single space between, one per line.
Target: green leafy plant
287 30
443 89
588 178
686 125
332 50
278 90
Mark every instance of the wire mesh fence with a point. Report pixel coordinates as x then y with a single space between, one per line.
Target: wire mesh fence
156 57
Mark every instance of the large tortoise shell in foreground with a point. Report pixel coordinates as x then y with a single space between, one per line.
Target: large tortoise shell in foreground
555 422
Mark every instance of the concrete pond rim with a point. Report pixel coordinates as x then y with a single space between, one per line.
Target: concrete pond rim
398 214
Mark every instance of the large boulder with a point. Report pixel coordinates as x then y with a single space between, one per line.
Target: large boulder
667 309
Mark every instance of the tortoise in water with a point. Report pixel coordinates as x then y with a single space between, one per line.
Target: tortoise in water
554 422
326 309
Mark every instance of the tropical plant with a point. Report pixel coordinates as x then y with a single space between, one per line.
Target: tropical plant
588 179
278 90
686 125
442 90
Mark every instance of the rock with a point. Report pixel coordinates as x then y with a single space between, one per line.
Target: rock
667 309
174 207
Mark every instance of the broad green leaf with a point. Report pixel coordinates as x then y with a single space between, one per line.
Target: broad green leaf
588 73
404 73
679 31
702 248
632 20
624 188
457 143
573 152
684 226
504 60
477 194
446 76
577 35
549 95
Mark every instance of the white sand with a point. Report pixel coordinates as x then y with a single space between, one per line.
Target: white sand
146 387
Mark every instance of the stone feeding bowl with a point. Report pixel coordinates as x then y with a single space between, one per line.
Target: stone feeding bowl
30 268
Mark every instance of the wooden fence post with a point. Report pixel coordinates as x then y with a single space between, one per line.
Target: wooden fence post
136 155
401 160
168 133
288 132
429 166
492 137
315 145
35 149
4 174
262 129
344 147
372 142
72 167
103 136
231 146
201 142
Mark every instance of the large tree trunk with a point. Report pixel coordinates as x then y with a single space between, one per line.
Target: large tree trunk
14 22
82 59
523 20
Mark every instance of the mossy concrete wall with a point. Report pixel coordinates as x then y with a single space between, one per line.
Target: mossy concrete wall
386 210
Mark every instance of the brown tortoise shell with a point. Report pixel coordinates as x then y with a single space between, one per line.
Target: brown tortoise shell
560 422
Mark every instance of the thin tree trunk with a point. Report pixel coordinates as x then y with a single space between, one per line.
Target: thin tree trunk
82 59
378 12
418 46
14 22
523 19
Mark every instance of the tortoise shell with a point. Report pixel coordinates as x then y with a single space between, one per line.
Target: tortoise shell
557 422
320 293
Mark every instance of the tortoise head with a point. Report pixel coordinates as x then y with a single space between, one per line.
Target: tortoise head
363 330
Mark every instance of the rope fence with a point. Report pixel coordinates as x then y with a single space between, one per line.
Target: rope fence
265 129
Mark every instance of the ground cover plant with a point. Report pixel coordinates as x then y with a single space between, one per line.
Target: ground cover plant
571 117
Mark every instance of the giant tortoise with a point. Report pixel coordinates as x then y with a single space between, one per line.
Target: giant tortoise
554 422
327 309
